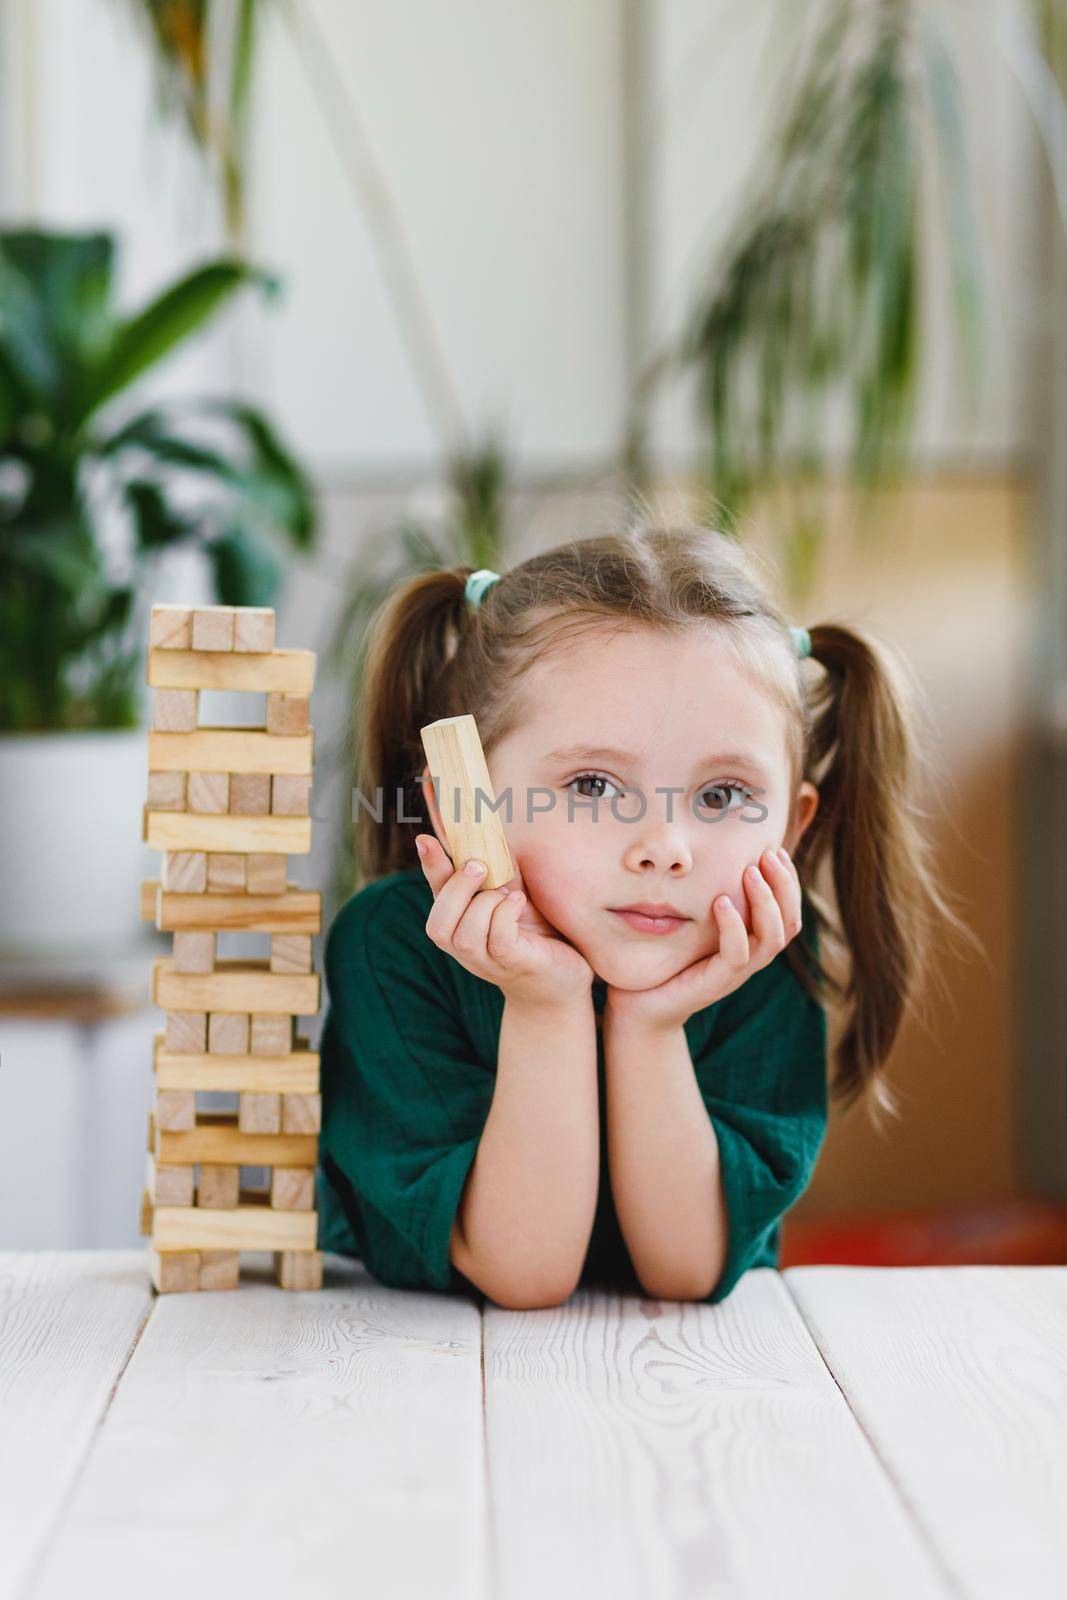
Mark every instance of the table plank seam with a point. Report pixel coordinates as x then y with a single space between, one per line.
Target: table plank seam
937 1556
38 1561
490 1563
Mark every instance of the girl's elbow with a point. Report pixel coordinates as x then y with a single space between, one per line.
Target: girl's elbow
676 1290
531 1296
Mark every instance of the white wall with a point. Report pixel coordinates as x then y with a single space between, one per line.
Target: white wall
720 74
498 128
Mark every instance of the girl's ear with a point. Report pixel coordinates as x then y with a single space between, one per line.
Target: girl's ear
432 808
804 809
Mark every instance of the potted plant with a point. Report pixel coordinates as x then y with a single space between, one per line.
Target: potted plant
89 504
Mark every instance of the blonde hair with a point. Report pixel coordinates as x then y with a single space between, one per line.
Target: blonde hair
851 730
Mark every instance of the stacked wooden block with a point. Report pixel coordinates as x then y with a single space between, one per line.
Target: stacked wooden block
227 806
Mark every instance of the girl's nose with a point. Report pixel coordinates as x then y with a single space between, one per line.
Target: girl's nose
663 847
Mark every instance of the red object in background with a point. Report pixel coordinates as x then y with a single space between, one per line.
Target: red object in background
1015 1232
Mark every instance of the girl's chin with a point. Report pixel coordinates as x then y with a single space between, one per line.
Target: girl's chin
635 972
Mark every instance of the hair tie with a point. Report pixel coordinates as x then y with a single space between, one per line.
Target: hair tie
801 641
478 583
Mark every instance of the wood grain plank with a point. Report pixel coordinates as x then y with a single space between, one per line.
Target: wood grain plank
958 1375
247 1227
295 911
217 1138
643 1447
295 1073
288 1444
230 749
68 1321
291 670
227 833
247 985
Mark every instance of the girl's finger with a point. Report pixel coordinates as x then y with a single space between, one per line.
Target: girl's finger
436 866
504 927
733 935
453 892
785 883
470 935
766 912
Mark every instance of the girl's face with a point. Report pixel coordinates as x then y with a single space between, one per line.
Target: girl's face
687 765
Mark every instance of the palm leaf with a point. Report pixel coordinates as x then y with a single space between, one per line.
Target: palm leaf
164 324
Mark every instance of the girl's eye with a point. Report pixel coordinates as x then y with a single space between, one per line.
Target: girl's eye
594 777
721 793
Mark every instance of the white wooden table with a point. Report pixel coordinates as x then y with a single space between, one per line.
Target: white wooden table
830 1431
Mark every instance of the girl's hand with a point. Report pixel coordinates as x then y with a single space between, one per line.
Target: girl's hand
774 895
503 939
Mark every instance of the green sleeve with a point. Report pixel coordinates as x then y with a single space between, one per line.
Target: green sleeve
405 1097
762 1077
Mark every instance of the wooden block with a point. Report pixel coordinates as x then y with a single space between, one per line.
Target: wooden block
183 830
213 628
166 791
292 1188
186 1031
292 911
229 750
174 1271
169 1185
175 1109
267 874
290 952
194 952
291 671
217 1139
219 1187
301 1113
227 1033
291 794
170 628
465 793
260 1113
272 1035
226 874
152 1125
184 871
287 714
235 986
253 628
208 792
299 1269
295 1073
220 1269
250 794
247 1227
148 1212
176 710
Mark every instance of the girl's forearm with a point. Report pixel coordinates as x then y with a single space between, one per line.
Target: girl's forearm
663 1161
526 1214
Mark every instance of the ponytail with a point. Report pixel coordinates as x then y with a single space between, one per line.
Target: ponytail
863 756
410 642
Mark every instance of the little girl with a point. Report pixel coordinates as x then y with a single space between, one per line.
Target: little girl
613 1070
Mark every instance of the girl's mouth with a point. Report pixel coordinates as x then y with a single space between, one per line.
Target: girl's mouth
643 924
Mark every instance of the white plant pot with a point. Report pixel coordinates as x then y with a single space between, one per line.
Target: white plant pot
71 856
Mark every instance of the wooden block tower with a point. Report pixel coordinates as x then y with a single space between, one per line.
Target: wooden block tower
227 807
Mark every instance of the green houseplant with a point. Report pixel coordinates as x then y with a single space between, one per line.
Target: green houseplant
88 506
69 641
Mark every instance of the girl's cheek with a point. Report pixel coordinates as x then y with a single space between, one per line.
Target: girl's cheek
555 889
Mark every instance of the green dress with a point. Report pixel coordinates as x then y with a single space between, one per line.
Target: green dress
409 1053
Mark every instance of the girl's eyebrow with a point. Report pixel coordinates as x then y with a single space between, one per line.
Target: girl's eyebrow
723 758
